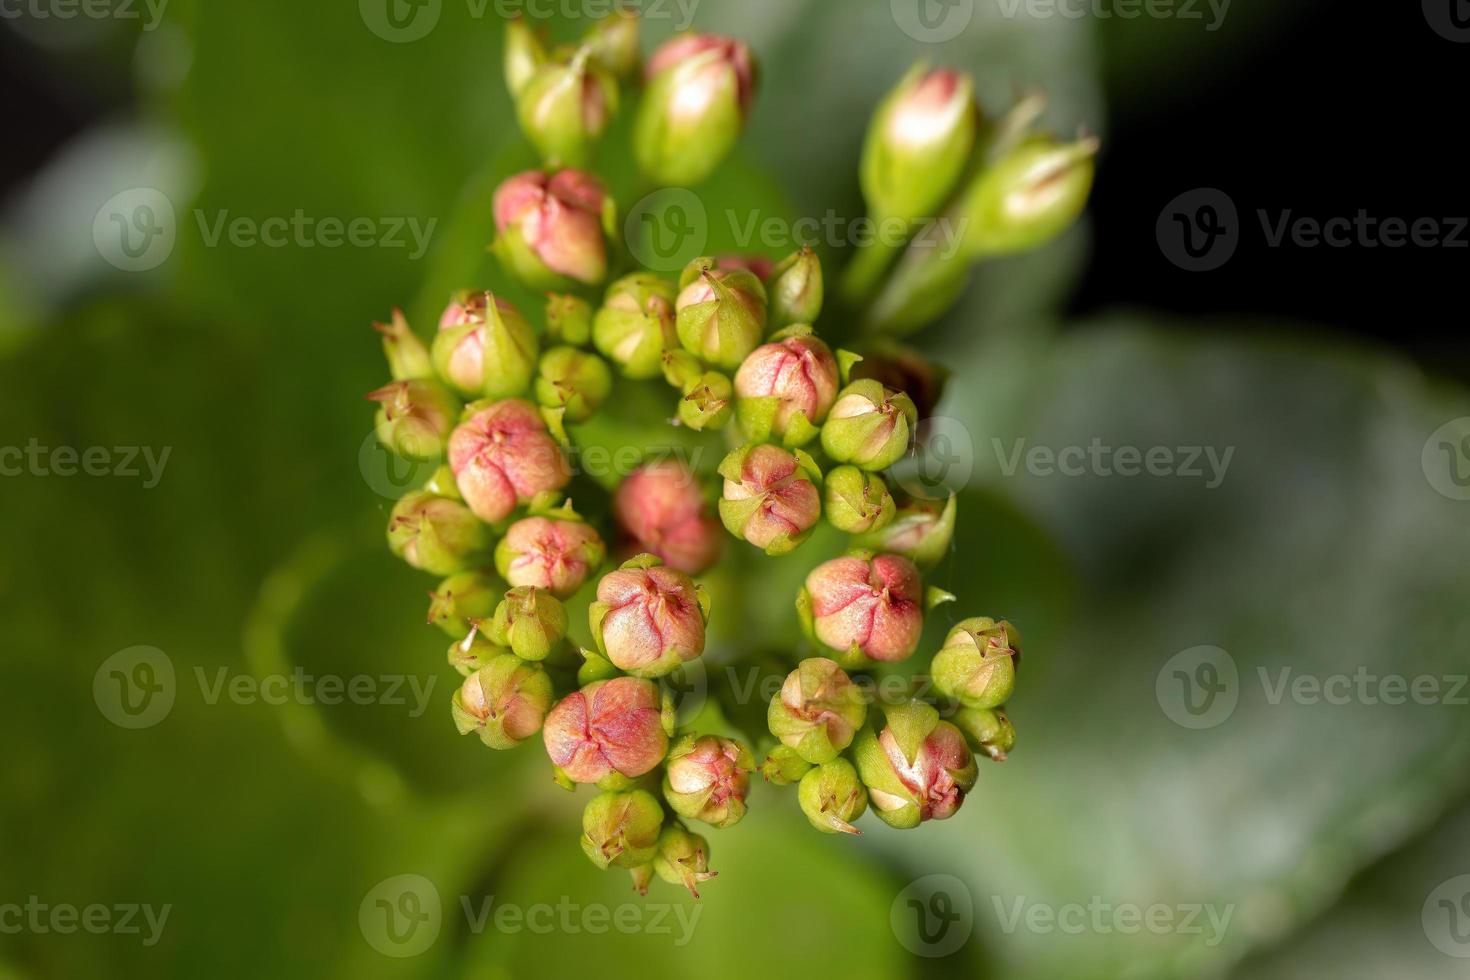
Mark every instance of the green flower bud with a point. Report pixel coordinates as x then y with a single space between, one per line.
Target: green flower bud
989 731
832 797
856 502
473 652
919 142
921 531
784 766
415 418
721 314
615 44
770 496
1028 197
574 380
484 348
568 319
796 290
915 766
461 600
906 370
524 55
683 858
977 666
437 535
708 402
700 88
407 356
530 621
817 711
504 702
707 778
869 426
565 106
637 324
622 829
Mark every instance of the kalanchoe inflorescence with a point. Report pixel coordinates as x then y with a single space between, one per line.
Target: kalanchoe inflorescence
700 89
816 713
648 618
503 456
661 507
608 731
706 778
549 553
770 497
865 607
484 348
916 767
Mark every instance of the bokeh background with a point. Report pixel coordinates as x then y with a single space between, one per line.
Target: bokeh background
1324 839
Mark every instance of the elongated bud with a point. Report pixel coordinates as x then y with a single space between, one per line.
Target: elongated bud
1028 197
866 607
436 534
817 712
407 356
529 621
415 417
707 778
566 106
608 727
461 600
786 388
832 797
615 44
503 702
648 618
796 289
708 402
903 369
524 54
989 731
856 501
573 380
622 829
915 766
502 456
721 315
474 651
977 666
869 426
784 766
683 859
919 142
700 89
921 531
568 319
662 511
554 555
552 228
484 348
771 497
637 324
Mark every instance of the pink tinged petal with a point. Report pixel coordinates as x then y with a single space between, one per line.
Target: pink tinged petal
518 196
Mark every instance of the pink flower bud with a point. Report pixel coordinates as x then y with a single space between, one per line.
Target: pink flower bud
607 727
551 225
818 711
484 348
916 767
648 618
504 702
733 57
799 372
771 497
869 607
503 456
661 508
707 778
548 554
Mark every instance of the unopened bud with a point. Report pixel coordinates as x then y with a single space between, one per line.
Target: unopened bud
977 666
504 702
796 290
415 417
549 554
529 621
683 859
637 324
661 508
866 607
989 731
502 456
915 766
573 380
721 314
606 728
869 426
904 369
919 142
786 388
474 651
565 106
832 797
524 54
707 778
648 618
436 534
552 228
700 89
707 402
784 766
818 711
461 600
568 319
622 829
921 531
1028 197
770 497
484 348
407 356
856 501
615 44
